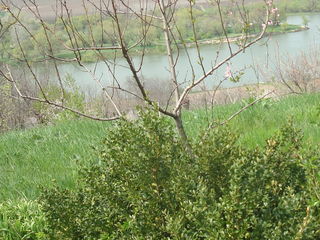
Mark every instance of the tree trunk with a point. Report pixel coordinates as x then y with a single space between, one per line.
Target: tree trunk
183 135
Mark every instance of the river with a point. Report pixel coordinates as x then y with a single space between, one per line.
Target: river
263 54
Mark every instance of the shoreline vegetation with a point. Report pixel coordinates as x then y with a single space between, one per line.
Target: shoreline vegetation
238 37
159 48
91 57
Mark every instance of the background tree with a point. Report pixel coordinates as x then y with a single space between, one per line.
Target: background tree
111 29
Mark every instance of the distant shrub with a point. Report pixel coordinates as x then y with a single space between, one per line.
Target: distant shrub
22 220
145 186
72 97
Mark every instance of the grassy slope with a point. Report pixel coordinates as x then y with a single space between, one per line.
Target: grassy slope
32 158
259 122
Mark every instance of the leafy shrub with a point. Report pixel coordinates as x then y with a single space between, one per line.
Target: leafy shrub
145 186
266 199
22 220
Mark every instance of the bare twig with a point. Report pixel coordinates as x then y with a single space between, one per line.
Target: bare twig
244 108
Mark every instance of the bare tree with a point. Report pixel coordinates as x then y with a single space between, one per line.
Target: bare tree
117 29
296 74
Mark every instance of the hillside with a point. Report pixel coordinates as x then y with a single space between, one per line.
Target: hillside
33 158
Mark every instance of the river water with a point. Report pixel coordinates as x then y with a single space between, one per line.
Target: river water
262 55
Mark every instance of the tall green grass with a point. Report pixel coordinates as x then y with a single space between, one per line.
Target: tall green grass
260 121
34 158
22 219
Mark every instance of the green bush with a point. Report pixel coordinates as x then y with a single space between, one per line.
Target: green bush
145 186
22 220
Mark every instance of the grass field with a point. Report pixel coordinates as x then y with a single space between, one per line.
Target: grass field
259 122
37 157
33 158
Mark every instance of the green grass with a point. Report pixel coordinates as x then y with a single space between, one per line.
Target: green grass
261 121
32 158
22 219
284 28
